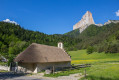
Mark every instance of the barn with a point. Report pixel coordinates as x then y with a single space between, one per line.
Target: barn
38 57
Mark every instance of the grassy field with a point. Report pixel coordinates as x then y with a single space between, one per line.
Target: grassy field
81 57
104 66
64 73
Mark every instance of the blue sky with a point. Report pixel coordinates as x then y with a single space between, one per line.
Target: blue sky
56 16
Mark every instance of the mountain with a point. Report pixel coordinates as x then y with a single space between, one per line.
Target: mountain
111 21
104 38
86 20
14 39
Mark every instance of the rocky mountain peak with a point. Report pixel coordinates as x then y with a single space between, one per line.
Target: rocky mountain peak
86 20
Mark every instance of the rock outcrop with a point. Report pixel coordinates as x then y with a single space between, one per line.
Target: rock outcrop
99 25
86 20
111 21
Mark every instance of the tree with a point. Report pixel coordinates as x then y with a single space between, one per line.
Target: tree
15 49
90 50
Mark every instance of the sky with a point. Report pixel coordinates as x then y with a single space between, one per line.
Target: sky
56 16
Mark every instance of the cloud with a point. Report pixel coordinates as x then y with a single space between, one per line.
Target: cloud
8 21
117 13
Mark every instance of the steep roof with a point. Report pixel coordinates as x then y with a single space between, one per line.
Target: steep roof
42 53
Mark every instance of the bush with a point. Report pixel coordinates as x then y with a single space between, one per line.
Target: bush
90 50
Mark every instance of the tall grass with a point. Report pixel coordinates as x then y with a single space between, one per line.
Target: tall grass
103 71
82 57
104 66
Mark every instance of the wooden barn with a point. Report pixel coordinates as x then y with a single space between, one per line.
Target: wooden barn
39 57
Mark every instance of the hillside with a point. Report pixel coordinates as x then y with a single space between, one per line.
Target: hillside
104 38
74 34
14 39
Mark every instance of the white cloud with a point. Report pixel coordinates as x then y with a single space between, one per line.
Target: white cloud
117 13
8 21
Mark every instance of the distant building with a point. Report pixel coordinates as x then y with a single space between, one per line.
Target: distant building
39 57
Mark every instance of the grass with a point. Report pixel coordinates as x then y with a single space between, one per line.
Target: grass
81 57
3 63
64 73
4 71
103 71
103 66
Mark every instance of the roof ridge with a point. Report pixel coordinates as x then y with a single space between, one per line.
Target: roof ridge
44 45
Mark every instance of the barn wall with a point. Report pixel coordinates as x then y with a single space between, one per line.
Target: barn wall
26 67
37 67
43 66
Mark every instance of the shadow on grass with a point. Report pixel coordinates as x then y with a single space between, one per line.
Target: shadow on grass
98 78
10 75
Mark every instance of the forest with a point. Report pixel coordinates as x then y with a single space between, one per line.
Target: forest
102 39
14 39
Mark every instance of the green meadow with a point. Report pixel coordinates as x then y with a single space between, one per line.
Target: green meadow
102 71
103 66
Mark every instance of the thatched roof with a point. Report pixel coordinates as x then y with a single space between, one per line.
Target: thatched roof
42 53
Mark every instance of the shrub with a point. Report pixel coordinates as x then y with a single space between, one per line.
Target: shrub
90 50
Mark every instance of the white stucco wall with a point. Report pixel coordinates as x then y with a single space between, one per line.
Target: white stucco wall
26 67
37 67
43 66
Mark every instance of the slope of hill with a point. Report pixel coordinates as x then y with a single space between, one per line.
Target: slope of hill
104 38
74 34
14 39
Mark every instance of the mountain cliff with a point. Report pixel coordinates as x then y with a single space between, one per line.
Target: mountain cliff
102 39
111 21
86 20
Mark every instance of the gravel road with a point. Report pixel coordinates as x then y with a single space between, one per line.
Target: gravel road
12 76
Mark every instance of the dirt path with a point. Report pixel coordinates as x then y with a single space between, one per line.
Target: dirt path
12 76
39 76
70 77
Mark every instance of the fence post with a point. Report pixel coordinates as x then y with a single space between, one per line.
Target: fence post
85 73
53 70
